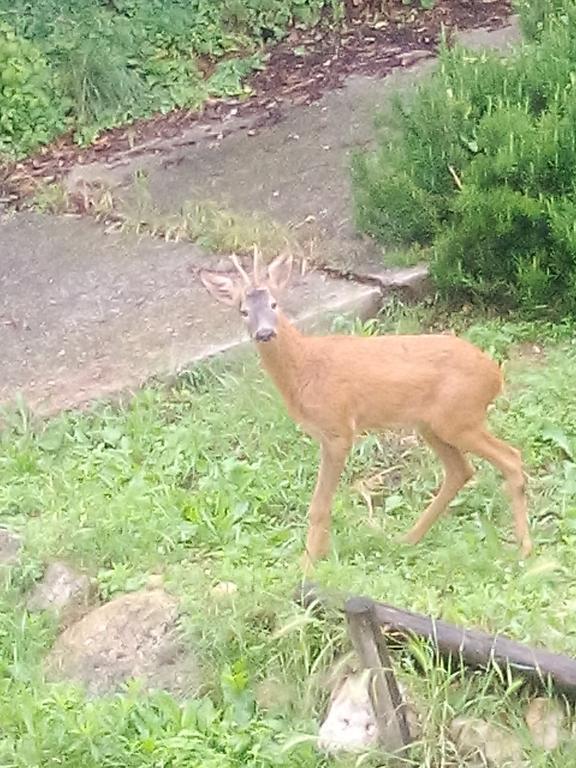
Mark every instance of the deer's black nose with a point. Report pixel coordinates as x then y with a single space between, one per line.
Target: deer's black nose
264 334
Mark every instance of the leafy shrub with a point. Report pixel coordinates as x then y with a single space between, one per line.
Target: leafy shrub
29 115
482 172
96 64
534 14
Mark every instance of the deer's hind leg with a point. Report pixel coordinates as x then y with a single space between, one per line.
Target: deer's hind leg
457 472
508 460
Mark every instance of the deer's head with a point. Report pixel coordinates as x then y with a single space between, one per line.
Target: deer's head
255 297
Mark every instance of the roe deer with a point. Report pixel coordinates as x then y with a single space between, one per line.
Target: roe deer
338 387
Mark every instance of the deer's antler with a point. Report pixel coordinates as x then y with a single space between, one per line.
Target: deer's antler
243 274
257 264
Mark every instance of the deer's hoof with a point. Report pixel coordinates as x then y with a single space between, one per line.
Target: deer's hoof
410 538
526 547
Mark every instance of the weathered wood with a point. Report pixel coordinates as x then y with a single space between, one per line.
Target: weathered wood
472 647
480 650
368 641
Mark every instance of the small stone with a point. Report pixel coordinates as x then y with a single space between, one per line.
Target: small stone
486 743
414 282
10 547
63 591
546 720
155 581
224 589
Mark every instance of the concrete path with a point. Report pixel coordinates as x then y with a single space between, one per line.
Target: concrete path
85 314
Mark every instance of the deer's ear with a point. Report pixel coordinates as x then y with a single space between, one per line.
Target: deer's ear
222 287
279 272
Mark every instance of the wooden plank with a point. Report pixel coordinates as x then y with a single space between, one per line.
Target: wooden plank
480 650
370 646
471 647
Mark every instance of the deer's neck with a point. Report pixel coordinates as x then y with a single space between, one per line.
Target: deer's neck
283 357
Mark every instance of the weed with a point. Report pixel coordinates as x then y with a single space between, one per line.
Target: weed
51 198
205 223
32 105
534 14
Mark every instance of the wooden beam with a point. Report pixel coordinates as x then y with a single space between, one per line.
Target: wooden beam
370 647
471 647
479 649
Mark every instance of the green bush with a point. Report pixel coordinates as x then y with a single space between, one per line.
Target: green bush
482 173
29 115
94 64
534 14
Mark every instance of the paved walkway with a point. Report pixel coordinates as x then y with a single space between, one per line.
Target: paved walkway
85 315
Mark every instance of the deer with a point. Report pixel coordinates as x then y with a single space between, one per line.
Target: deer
338 388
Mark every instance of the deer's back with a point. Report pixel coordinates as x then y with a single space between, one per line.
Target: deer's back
374 382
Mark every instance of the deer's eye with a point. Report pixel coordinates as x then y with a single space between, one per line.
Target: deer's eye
274 305
244 312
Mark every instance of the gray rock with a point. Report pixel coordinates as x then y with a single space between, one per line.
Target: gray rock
10 546
547 721
413 282
350 724
133 636
485 744
63 591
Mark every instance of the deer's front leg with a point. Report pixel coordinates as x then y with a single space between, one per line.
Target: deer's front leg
333 454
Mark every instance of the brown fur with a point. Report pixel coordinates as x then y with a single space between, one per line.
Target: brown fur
339 387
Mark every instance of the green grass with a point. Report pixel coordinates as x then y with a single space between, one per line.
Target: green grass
209 481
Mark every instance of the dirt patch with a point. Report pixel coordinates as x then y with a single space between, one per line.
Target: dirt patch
529 352
298 71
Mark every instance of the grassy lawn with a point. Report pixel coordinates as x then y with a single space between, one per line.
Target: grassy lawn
209 482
